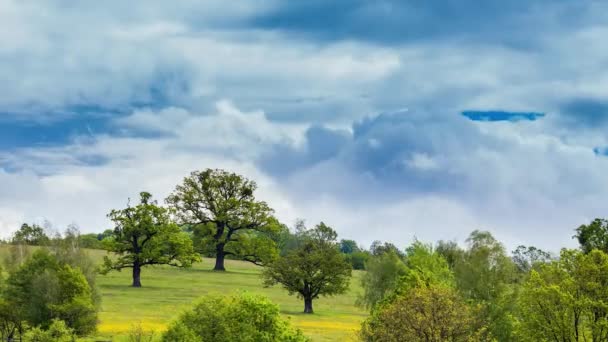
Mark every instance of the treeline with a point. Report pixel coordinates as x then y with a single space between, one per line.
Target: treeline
423 292
444 292
36 235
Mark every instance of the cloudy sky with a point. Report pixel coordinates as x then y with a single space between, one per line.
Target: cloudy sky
388 119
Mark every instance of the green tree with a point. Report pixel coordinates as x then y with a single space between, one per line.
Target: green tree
243 317
349 246
43 289
379 247
380 279
566 299
488 276
424 313
30 235
315 268
144 235
90 241
525 258
12 324
424 267
358 259
221 209
450 251
593 235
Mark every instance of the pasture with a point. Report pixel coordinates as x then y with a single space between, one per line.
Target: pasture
167 291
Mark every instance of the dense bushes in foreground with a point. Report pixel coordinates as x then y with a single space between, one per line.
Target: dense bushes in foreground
241 317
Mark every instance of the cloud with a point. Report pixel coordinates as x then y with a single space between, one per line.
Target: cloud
103 101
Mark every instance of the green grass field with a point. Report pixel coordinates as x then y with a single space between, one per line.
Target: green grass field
167 291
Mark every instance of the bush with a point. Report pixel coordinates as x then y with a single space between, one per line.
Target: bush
242 317
138 334
57 331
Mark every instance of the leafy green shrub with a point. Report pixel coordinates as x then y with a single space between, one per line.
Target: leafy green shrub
242 317
57 331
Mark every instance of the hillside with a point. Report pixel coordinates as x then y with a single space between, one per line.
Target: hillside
167 291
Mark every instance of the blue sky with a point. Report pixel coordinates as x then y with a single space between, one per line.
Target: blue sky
388 119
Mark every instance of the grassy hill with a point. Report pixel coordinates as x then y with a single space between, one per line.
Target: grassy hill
167 291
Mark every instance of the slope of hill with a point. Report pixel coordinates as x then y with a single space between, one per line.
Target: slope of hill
167 291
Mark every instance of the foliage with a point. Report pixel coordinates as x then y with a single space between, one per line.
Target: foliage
383 273
43 289
243 317
32 235
450 251
57 331
488 277
593 235
378 248
11 323
226 218
16 256
566 300
526 258
349 246
424 313
139 334
144 235
315 268
424 267
90 241
358 259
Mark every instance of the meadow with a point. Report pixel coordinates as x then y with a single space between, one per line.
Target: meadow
168 291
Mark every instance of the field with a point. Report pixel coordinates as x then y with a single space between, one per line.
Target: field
167 291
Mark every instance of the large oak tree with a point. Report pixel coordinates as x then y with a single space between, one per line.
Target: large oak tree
145 235
226 219
316 267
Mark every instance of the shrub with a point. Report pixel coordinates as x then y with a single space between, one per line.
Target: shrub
242 317
57 331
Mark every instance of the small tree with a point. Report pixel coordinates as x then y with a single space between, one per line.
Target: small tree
242 317
593 235
144 235
30 235
43 289
315 268
349 246
424 313
221 209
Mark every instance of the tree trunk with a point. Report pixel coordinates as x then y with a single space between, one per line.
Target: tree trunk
219 257
308 305
136 274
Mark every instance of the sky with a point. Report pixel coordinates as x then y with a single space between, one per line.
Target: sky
388 120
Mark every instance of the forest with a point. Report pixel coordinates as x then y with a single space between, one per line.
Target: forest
55 285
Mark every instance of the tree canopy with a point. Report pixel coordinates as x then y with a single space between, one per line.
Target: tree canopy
43 289
433 313
316 267
145 235
221 209
593 235
30 235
